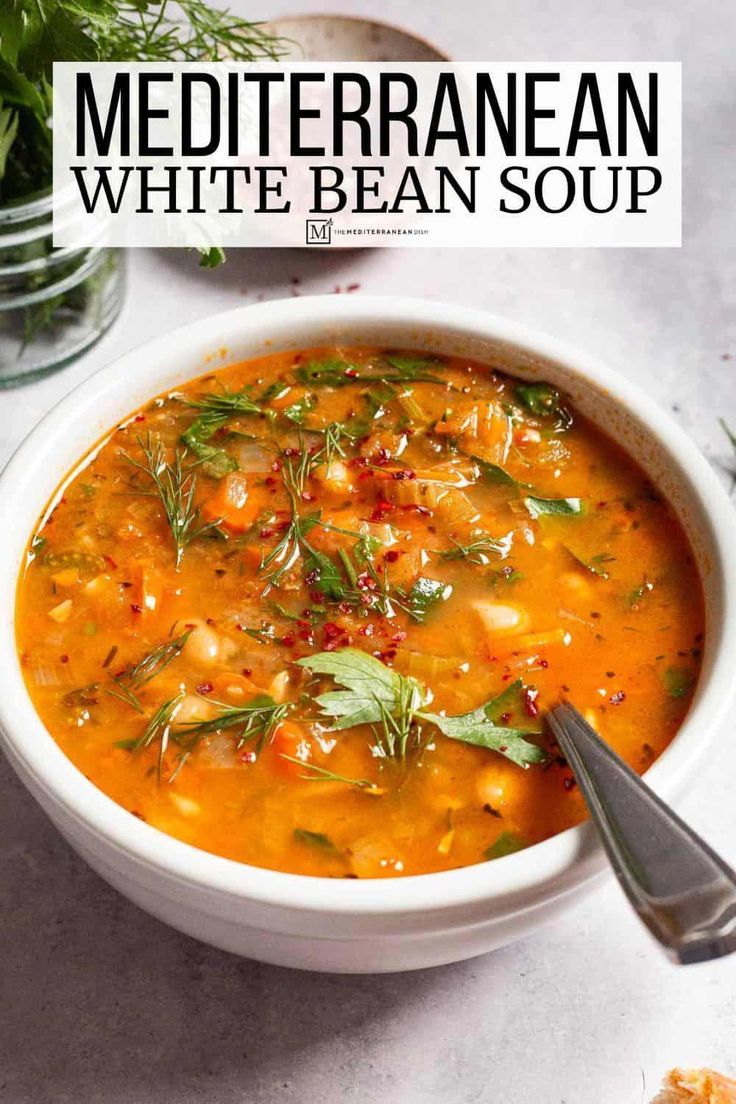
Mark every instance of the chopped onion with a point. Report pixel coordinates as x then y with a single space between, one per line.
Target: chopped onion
252 457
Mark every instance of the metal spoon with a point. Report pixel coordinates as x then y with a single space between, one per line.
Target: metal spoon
682 890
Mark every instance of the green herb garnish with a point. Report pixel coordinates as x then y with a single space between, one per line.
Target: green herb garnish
36 33
423 596
315 839
478 551
332 372
158 730
321 774
552 507
255 721
537 505
595 565
543 400
506 844
176 488
374 694
129 681
678 681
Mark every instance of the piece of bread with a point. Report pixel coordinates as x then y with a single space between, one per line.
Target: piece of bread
701 1086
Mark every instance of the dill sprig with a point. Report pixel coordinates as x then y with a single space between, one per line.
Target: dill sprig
158 730
130 680
226 404
255 721
321 774
36 33
145 31
176 487
478 551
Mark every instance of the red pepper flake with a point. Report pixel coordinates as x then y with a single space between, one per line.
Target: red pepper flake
288 640
247 756
367 630
331 630
381 510
135 608
63 658
110 562
544 663
398 636
247 672
568 783
404 473
529 697
266 533
352 287
311 578
617 698
391 556
506 717
205 688
276 466
140 418
269 481
601 505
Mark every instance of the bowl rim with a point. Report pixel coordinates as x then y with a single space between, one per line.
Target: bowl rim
543 870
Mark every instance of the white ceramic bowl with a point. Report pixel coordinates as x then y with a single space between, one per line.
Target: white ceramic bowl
330 924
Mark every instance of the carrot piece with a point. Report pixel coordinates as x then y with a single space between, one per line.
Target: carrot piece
290 739
234 503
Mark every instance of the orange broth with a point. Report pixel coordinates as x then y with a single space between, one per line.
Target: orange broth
470 534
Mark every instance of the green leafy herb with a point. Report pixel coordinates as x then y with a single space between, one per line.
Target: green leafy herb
298 411
494 473
424 595
478 551
535 504
211 257
480 727
257 720
36 33
129 681
377 695
158 730
596 564
315 839
644 587
543 400
552 507
506 844
332 372
538 398
321 774
678 681
176 489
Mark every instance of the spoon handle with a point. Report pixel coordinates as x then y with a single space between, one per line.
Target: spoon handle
682 890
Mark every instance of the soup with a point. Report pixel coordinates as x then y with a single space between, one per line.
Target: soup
308 611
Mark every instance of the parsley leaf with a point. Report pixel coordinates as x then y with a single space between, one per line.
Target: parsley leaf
370 687
424 595
535 504
375 694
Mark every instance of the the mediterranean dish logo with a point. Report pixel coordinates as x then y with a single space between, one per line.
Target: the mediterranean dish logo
331 155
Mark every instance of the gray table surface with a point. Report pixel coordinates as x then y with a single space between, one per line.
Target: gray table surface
99 1002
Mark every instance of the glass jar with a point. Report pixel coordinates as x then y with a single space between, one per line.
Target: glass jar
54 303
